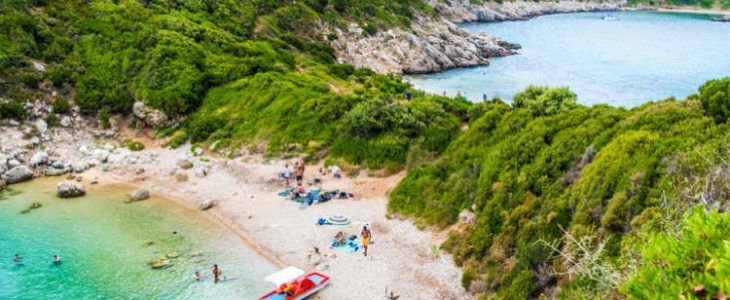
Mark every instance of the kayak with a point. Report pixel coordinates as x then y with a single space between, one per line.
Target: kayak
293 284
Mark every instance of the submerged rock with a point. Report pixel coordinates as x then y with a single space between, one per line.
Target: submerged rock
18 174
172 255
34 205
160 264
69 189
138 195
3 184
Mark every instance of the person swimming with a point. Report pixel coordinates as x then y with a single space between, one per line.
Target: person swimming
56 259
18 259
198 276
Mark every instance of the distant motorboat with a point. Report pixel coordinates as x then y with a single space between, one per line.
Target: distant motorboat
725 18
609 18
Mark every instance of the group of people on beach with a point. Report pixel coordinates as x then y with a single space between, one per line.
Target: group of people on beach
297 173
216 271
341 239
17 259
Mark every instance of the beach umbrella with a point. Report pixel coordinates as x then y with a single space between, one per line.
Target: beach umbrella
338 220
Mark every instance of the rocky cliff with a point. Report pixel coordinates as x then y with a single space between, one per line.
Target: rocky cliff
430 45
436 44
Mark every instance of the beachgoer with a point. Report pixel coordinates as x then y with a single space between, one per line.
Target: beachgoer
216 274
458 94
299 171
288 174
300 191
18 259
340 239
444 93
198 277
365 239
56 259
335 170
484 97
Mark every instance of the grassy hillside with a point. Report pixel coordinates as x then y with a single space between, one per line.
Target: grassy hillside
540 182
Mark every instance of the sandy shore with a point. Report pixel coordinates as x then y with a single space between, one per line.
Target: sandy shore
246 190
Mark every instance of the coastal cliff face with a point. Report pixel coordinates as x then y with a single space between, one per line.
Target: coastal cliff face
429 46
436 44
459 11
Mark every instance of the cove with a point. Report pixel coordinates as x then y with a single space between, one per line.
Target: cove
636 58
105 246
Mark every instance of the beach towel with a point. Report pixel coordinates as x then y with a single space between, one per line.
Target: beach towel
350 245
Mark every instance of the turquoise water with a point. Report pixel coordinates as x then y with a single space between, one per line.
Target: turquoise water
103 244
640 57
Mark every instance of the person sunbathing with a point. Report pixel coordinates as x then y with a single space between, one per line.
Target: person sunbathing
340 239
300 191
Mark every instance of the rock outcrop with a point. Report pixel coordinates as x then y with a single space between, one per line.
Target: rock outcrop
434 44
459 11
69 189
430 45
18 174
150 116
206 204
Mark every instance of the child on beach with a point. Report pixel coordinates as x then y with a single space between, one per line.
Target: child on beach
288 174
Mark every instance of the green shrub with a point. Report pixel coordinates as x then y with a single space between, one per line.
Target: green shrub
467 278
12 110
545 101
715 98
677 264
134 145
61 106
53 120
104 118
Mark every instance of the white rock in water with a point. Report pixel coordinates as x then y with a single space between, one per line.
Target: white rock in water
206 204
41 126
39 158
138 195
18 174
70 188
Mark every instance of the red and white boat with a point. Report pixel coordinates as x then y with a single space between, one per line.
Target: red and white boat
293 284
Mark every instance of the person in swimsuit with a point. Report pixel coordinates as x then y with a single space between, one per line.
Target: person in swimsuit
299 171
18 259
56 259
198 276
365 239
216 274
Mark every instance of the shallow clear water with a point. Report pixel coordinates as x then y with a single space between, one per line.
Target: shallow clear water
640 57
102 243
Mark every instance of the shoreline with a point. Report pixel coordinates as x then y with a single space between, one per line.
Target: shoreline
401 258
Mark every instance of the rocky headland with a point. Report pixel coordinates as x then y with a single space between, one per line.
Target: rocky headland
435 44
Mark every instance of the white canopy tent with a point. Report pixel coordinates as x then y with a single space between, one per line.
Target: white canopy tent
284 276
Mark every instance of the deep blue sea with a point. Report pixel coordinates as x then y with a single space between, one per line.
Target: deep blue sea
639 57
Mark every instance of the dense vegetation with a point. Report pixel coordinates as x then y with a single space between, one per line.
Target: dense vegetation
707 4
560 192
569 201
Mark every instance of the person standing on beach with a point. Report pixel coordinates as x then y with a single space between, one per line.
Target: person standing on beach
365 239
288 173
216 274
299 171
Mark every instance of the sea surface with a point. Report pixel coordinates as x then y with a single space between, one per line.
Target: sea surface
636 58
105 245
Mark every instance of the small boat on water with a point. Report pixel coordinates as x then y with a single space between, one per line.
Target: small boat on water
609 18
293 284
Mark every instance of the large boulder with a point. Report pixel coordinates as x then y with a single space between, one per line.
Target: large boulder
18 174
80 166
185 164
150 116
39 158
53 172
101 155
69 189
138 195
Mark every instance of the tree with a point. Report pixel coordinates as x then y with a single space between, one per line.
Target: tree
715 98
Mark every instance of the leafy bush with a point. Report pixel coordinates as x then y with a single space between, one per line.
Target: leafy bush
12 110
53 120
61 106
545 101
691 263
715 98
134 145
